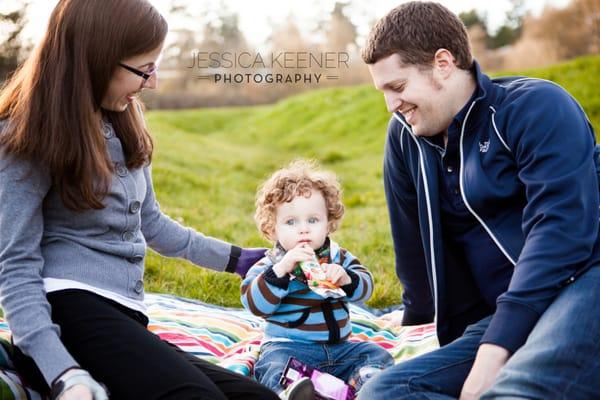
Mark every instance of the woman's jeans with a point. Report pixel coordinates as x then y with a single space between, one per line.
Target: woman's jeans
560 360
344 360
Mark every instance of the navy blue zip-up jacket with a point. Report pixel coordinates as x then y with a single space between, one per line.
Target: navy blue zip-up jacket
528 175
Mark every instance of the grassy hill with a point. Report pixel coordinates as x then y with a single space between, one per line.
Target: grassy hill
209 162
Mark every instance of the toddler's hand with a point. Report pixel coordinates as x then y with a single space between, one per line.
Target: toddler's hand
337 275
301 252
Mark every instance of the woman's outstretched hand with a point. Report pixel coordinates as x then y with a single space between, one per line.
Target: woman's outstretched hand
77 392
77 384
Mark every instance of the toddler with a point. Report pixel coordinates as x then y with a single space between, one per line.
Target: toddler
303 284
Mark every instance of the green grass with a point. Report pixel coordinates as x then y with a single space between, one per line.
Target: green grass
209 162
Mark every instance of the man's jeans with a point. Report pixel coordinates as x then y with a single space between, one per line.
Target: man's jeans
560 360
343 360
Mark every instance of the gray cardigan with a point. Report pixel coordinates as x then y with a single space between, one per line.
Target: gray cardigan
41 238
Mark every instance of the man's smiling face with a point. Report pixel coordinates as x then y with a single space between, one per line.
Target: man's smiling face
416 92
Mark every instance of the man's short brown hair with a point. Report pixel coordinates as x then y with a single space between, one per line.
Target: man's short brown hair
415 31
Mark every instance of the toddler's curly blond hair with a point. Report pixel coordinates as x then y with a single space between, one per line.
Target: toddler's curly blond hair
297 179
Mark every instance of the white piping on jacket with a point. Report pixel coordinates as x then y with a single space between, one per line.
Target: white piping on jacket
462 189
496 129
429 217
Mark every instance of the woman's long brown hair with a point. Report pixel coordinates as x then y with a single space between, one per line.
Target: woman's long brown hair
52 103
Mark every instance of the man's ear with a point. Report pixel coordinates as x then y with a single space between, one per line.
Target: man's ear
444 63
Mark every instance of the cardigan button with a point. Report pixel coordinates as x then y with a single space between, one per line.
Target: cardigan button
139 287
107 132
121 170
128 236
134 206
135 259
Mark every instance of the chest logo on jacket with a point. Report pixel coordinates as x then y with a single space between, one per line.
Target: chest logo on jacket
484 146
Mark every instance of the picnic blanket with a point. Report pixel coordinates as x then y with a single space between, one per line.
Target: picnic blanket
231 337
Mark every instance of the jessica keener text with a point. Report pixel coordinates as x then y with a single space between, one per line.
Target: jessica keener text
231 67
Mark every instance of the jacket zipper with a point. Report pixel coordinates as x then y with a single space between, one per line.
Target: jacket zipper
429 218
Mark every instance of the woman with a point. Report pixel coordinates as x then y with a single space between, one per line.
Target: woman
78 209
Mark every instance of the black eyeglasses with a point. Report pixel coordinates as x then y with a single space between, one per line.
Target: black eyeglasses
145 75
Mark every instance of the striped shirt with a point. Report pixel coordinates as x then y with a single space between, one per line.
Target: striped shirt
293 311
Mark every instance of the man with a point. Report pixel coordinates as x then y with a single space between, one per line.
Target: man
492 191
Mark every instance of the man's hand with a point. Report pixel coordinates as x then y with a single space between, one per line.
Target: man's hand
393 320
337 275
488 362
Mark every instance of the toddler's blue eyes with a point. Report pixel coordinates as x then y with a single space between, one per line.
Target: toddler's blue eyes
292 222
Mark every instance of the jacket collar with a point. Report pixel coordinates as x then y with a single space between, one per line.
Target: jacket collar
485 97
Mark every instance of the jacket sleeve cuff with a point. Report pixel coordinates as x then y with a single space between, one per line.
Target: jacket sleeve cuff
411 318
350 288
510 326
274 280
234 257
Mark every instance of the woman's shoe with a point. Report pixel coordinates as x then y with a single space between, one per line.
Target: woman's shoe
302 389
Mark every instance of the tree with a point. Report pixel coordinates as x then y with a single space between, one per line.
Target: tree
543 43
503 37
286 36
579 31
341 32
507 34
478 38
11 49
471 18
233 37
512 29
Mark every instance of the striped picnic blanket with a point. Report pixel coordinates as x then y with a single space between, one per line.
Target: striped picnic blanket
231 337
